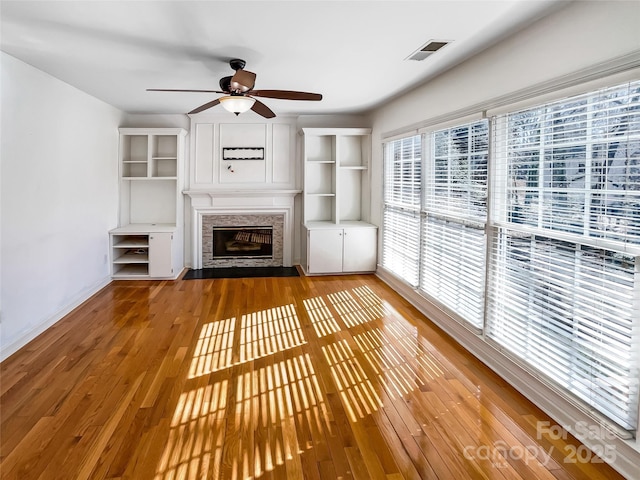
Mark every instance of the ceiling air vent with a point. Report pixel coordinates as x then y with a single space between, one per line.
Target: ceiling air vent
423 52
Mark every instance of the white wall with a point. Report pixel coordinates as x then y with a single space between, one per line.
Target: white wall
58 199
139 120
332 121
585 39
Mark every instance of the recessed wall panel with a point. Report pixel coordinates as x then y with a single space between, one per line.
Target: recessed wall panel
204 154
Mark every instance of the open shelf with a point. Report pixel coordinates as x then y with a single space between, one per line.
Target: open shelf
335 166
353 150
164 167
134 169
320 148
164 146
320 208
135 148
130 270
132 257
131 241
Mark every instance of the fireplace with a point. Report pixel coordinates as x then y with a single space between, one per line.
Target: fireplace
232 209
242 242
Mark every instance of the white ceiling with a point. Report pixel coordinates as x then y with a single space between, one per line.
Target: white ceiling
354 53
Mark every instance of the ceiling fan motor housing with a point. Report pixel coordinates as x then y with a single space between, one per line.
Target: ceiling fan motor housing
237 64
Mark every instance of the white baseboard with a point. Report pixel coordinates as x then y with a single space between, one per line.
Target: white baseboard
26 337
624 455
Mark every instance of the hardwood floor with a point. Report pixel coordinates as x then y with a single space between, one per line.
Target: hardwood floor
310 377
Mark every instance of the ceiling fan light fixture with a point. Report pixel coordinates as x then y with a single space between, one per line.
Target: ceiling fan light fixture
237 103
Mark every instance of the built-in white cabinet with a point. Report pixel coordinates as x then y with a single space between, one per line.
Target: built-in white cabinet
350 248
324 251
148 240
160 254
337 237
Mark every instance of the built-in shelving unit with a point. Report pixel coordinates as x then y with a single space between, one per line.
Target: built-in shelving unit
151 205
336 200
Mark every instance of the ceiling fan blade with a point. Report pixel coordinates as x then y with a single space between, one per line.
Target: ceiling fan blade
243 81
205 106
174 90
261 109
286 95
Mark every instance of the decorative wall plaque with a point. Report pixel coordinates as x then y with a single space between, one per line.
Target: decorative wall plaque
243 153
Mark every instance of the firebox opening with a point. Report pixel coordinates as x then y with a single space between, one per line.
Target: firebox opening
242 242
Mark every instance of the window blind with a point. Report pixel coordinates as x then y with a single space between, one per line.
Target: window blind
401 218
454 219
453 266
564 271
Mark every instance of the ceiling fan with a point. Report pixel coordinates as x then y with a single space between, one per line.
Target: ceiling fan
239 93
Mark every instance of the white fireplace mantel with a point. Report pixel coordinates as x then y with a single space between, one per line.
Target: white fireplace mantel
200 194
241 202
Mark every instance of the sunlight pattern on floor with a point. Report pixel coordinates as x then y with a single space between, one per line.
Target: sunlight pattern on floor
357 393
393 369
351 312
214 348
374 305
194 446
407 337
269 331
268 397
321 318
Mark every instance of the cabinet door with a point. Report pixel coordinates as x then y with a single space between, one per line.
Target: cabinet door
360 250
160 261
325 250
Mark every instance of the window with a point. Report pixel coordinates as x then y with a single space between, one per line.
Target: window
564 277
401 219
555 231
454 219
